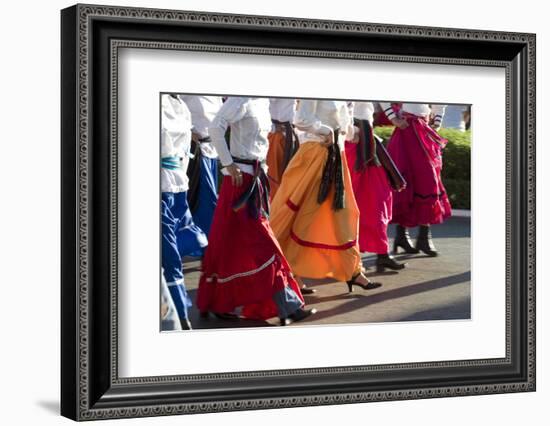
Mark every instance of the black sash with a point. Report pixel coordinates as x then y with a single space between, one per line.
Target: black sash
371 150
194 172
366 148
333 175
256 197
291 142
397 181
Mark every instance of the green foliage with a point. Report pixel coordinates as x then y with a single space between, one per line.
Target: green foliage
458 191
384 132
456 163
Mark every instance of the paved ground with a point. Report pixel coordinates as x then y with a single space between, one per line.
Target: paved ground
427 289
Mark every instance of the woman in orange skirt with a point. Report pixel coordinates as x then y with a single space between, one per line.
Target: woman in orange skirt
314 214
283 141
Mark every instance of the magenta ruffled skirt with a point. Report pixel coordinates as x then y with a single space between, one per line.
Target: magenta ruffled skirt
416 152
373 195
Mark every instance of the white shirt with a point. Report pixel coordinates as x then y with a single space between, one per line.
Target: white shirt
316 118
364 111
175 141
203 110
250 124
282 109
421 110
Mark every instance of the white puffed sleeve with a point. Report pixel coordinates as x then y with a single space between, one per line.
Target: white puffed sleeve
388 110
231 111
438 111
306 118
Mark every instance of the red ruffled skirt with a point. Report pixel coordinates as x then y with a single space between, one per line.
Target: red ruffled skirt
373 195
416 152
243 264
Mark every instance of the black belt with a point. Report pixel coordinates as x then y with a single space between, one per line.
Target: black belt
193 173
333 175
291 142
256 197
205 139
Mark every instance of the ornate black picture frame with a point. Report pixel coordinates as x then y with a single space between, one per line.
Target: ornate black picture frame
91 388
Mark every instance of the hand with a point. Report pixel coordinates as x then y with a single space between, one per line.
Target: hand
236 174
400 122
435 126
328 140
195 137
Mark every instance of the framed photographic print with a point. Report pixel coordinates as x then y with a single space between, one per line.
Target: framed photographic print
263 212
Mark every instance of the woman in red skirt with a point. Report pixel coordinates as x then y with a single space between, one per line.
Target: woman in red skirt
416 148
372 188
243 265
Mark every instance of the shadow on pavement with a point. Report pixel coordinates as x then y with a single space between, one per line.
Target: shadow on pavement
364 298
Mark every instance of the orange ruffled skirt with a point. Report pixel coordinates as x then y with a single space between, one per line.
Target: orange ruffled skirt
317 241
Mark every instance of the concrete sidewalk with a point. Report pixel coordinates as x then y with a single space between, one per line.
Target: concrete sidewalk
427 289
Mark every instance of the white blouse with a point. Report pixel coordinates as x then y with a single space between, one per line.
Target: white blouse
250 124
421 110
282 109
203 110
175 141
317 118
364 111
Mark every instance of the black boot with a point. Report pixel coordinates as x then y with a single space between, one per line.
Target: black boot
384 261
403 240
424 241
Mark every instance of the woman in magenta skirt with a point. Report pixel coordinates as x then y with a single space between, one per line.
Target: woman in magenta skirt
371 187
416 148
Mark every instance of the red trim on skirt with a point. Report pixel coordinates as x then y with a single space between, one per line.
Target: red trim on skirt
311 244
292 206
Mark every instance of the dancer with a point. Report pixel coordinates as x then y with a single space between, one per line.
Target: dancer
244 265
283 141
180 236
203 168
314 213
416 148
372 188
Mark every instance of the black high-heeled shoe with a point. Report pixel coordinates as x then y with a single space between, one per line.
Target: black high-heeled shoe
307 290
424 242
369 286
299 315
185 324
403 240
384 261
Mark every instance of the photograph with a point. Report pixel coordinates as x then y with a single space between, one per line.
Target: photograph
279 211
262 212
